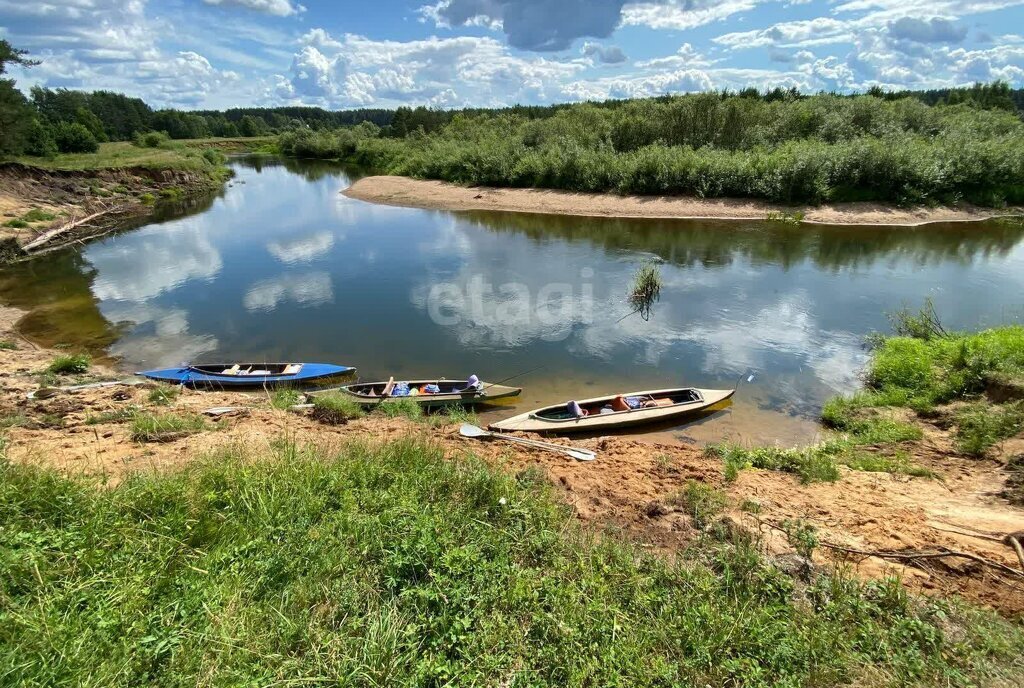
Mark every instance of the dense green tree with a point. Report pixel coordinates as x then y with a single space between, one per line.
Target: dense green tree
72 137
15 113
39 140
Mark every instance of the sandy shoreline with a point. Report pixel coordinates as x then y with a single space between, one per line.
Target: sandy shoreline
435 195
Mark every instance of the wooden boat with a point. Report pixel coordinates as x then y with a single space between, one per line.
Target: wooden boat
663 405
450 392
241 375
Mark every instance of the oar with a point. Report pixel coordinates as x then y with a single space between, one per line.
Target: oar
468 430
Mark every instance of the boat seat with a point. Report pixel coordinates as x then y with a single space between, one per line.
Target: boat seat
257 372
292 369
233 370
389 387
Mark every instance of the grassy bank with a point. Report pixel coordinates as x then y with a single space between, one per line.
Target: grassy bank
968 383
809 150
395 566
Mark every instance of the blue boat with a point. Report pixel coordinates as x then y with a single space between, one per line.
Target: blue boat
242 375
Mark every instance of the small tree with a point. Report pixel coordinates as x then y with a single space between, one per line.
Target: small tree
39 140
72 137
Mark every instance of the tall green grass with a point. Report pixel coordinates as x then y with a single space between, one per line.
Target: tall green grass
394 566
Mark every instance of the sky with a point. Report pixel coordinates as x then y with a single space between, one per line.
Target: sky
214 54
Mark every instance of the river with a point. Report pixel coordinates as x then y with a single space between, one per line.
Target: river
281 266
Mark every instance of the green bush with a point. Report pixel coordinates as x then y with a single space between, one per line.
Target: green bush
285 398
152 139
982 425
72 137
74 364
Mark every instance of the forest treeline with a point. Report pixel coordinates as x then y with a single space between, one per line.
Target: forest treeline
780 146
938 146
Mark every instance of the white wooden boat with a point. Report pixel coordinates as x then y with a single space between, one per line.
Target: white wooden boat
658 405
448 392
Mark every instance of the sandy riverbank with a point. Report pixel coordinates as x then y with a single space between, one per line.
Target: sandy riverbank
632 487
435 195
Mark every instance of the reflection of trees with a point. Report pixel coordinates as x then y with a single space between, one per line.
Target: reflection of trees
310 170
56 290
715 243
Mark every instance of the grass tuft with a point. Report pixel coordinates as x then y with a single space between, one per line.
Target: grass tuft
73 364
7 345
980 426
816 463
701 501
285 398
336 408
162 395
147 427
402 407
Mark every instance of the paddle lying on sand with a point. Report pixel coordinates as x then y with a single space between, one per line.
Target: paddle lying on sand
468 430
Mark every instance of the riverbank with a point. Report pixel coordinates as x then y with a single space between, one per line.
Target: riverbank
46 203
920 494
436 195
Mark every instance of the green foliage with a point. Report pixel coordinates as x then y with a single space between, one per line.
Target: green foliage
816 463
701 501
402 407
152 139
16 223
74 364
167 427
897 462
163 395
285 398
979 426
72 137
796 150
38 215
214 156
335 408
398 566
786 218
922 372
646 289
454 414
7 345
147 199
801 535
39 140
924 324
848 415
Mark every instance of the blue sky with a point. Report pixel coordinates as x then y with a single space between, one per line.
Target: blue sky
452 53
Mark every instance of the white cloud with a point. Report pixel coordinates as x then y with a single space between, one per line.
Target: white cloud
278 8
683 14
305 289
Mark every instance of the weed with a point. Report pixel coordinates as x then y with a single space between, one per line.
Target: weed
147 427
750 506
451 415
13 420
285 398
898 463
646 289
6 345
815 463
163 395
172 193
16 224
402 407
701 501
38 215
1013 491
801 535
981 425
335 408
73 364
924 324
147 199
785 217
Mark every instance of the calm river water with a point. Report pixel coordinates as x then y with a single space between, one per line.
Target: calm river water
281 266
